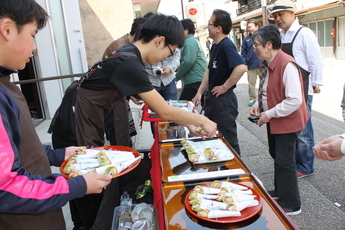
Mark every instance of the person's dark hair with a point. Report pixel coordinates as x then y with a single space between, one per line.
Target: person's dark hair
163 25
268 33
137 33
255 22
188 24
23 12
148 14
222 19
135 24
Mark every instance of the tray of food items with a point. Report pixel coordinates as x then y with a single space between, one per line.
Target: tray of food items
206 151
113 160
251 207
176 164
223 202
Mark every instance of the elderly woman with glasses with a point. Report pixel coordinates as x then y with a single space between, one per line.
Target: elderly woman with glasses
282 107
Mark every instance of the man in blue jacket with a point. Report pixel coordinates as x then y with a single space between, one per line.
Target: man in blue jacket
251 59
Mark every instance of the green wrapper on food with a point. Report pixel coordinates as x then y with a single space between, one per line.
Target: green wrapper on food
103 158
200 130
240 205
208 153
72 167
206 190
75 173
193 157
108 169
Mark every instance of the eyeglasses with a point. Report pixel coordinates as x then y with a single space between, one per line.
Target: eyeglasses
256 45
171 52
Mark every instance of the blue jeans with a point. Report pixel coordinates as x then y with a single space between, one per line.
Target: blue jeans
305 142
168 92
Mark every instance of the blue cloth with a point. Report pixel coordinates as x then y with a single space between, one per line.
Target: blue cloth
248 54
304 145
224 58
168 92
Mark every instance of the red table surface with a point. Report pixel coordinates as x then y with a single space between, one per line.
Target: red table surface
156 177
146 116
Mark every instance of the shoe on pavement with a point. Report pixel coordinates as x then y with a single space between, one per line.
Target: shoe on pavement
251 103
301 175
292 211
273 194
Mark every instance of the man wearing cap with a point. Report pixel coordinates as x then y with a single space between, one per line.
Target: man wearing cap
301 43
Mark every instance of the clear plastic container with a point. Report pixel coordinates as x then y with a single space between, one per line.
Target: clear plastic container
142 223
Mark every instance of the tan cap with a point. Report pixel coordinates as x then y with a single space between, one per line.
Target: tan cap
281 5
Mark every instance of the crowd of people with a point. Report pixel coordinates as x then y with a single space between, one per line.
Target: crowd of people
145 64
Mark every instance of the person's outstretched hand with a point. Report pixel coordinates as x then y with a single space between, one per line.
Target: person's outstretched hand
72 150
96 182
329 149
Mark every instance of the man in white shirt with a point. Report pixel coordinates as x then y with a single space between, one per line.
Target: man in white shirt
301 43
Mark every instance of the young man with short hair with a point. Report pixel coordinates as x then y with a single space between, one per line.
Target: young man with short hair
114 79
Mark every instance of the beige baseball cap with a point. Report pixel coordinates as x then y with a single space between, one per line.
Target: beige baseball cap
281 5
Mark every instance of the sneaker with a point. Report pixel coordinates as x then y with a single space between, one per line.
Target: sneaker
301 175
273 194
251 103
292 211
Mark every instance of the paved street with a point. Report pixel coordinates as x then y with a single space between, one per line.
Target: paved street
318 192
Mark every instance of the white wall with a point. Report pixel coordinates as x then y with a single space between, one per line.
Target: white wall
52 90
48 67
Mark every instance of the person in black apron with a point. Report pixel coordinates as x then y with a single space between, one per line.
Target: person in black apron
310 58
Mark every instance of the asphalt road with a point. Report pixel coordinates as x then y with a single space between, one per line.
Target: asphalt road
323 192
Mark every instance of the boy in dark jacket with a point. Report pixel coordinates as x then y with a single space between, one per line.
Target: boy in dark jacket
31 196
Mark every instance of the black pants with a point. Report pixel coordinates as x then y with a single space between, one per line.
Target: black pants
189 91
282 149
224 111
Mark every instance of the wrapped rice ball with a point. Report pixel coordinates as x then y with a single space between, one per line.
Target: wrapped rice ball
72 167
208 153
240 205
206 190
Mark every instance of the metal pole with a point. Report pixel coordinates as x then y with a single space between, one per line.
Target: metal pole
264 12
182 9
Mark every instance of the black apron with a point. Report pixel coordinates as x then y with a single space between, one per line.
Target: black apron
287 48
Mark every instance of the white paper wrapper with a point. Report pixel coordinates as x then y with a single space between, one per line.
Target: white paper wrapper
119 167
72 167
230 185
218 213
240 205
86 161
206 190
208 204
235 191
232 198
195 195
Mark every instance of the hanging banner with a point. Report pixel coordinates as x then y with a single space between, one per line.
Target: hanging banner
192 11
